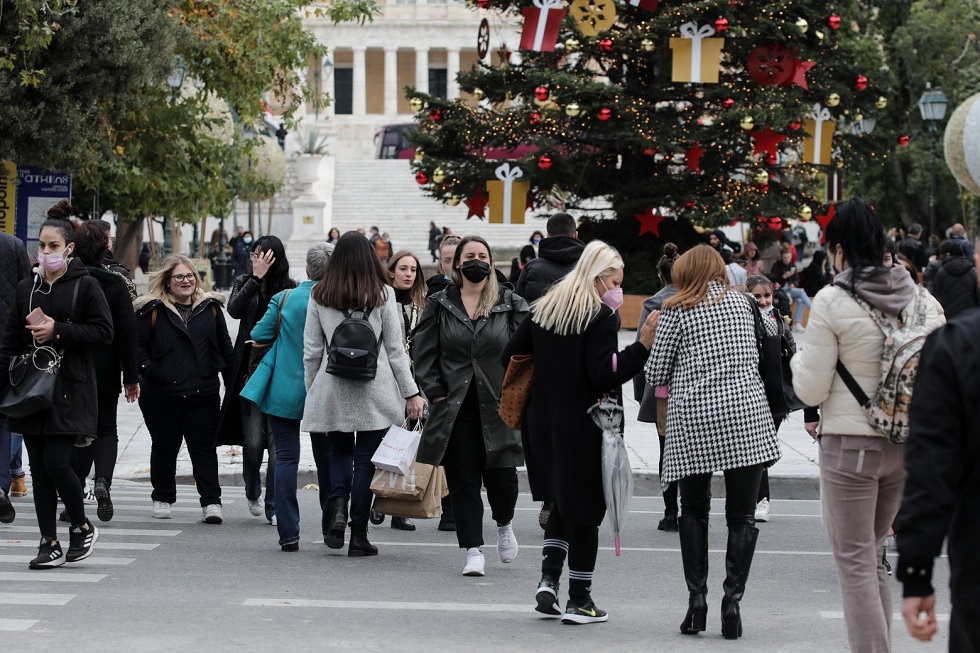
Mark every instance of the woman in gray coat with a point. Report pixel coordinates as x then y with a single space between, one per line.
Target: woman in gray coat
355 413
456 350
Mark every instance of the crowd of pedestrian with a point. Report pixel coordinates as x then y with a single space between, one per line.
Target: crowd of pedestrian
367 343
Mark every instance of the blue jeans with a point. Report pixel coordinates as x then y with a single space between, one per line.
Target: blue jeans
6 453
286 435
801 299
16 454
351 470
257 438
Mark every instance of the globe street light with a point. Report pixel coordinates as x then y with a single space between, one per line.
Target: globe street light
932 106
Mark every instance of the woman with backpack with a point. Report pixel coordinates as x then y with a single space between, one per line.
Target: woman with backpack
358 379
456 350
861 471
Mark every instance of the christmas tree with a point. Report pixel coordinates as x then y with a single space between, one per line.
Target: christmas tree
639 114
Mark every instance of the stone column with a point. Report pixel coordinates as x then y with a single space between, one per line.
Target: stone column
422 69
360 82
391 80
452 70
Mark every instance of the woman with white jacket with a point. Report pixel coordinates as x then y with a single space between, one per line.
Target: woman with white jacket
861 472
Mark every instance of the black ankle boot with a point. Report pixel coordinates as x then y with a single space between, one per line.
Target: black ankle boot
359 545
694 553
105 509
338 524
738 561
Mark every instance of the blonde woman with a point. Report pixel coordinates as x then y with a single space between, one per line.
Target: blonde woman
456 350
573 336
718 420
182 344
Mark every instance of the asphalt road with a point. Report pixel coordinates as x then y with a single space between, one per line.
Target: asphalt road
182 585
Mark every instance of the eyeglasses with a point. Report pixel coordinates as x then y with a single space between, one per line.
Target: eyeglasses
181 278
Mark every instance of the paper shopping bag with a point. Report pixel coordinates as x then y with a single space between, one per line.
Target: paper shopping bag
397 450
390 485
427 506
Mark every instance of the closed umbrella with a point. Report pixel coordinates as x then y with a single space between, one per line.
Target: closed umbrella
617 477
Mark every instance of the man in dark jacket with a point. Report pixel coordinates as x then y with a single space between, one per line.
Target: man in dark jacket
957 233
913 248
955 281
557 255
942 492
14 266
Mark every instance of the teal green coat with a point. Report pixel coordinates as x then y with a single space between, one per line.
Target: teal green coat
277 386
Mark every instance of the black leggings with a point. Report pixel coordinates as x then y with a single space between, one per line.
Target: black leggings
52 475
581 541
741 489
104 449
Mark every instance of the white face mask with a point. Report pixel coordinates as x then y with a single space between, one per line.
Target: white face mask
768 311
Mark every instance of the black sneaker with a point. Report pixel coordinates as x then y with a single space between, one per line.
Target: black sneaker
586 613
64 516
81 542
668 523
105 510
7 512
49 555
547 597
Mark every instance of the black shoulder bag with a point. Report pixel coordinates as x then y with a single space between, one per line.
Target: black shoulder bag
774 368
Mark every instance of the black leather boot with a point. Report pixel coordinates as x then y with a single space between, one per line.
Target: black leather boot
338 524
738 560
359 545
694 553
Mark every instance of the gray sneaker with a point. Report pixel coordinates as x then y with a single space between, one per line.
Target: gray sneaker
212 513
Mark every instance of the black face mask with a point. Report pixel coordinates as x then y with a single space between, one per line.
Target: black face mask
474 270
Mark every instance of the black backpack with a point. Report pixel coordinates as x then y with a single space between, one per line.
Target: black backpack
353 351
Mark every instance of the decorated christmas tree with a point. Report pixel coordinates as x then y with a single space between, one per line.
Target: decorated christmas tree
640 115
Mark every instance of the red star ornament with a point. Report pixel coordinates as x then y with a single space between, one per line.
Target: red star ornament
693 158
477 204
824 220
649 222
766 140
799 74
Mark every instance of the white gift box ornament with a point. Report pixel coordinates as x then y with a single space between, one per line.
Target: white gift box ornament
820 132
697 54
508 195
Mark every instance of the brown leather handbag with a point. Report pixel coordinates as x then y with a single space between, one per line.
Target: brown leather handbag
515 391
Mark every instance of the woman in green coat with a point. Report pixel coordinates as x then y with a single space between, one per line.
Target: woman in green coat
456 350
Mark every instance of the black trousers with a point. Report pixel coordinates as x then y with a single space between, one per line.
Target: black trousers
964 631
465 462
171 421
741 489
105 448
52 476
670 494
764 482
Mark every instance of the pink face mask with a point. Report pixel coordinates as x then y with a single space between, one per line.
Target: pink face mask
613 297
52 262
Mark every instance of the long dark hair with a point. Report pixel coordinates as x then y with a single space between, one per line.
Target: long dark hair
861 237
666 263
91 243
277 278
357 279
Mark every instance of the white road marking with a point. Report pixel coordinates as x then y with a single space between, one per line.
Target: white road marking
107 546
148 519
93 560
660 512
636 549
103 531
897 616
13 625
388 605
35 599
50 576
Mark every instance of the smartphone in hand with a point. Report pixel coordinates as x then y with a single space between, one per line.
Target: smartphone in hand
36 317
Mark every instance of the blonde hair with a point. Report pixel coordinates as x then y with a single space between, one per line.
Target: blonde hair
491 289
159 286
574 301
692 273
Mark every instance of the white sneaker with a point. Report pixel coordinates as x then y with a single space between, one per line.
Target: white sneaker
273 521
762 510
475 562
506 543
161 510
799 328
89 496
255 507
212 513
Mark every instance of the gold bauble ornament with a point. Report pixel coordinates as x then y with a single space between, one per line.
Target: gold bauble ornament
646 45
439 175
746 123
699 229
819 35
419 154
478 94
833 100
416 104
805 213
881 102
802 25
572 45
573 110
454 200
762 177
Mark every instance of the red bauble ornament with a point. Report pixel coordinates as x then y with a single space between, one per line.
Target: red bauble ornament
772 160
795 125
483 4
605 113
833 21
650 151
861 82
775 223
771 64
903 140
421 178
435 115
534 119
541 93
606 45
545 162
763 188
728 104
721 25
690 205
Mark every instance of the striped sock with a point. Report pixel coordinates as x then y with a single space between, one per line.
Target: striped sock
553 557
579 585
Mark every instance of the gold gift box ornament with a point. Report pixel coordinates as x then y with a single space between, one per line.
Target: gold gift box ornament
697 54
820 132
508 196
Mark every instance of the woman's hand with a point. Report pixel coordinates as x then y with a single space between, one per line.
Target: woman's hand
811 428
262 263
649 329
920 617
132 391
415 406
43 332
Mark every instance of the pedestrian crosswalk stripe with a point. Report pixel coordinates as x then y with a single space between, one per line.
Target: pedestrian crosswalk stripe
148 519
897 616
102 545
103 531
387 605
35 599
91 560
50 576
13 625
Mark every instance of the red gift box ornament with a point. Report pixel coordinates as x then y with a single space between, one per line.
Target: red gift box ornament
541 23
646 5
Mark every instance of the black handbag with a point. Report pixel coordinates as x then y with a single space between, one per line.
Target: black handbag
33 377
774 368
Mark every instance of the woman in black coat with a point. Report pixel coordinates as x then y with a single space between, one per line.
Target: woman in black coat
120 355
75 319
250 297
182 344
573 336
955 283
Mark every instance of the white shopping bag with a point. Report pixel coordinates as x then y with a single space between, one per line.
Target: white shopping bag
397 451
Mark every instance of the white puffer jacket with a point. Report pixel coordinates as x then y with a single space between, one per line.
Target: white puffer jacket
840 328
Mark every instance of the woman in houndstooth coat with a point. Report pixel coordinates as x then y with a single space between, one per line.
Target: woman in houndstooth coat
717 420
